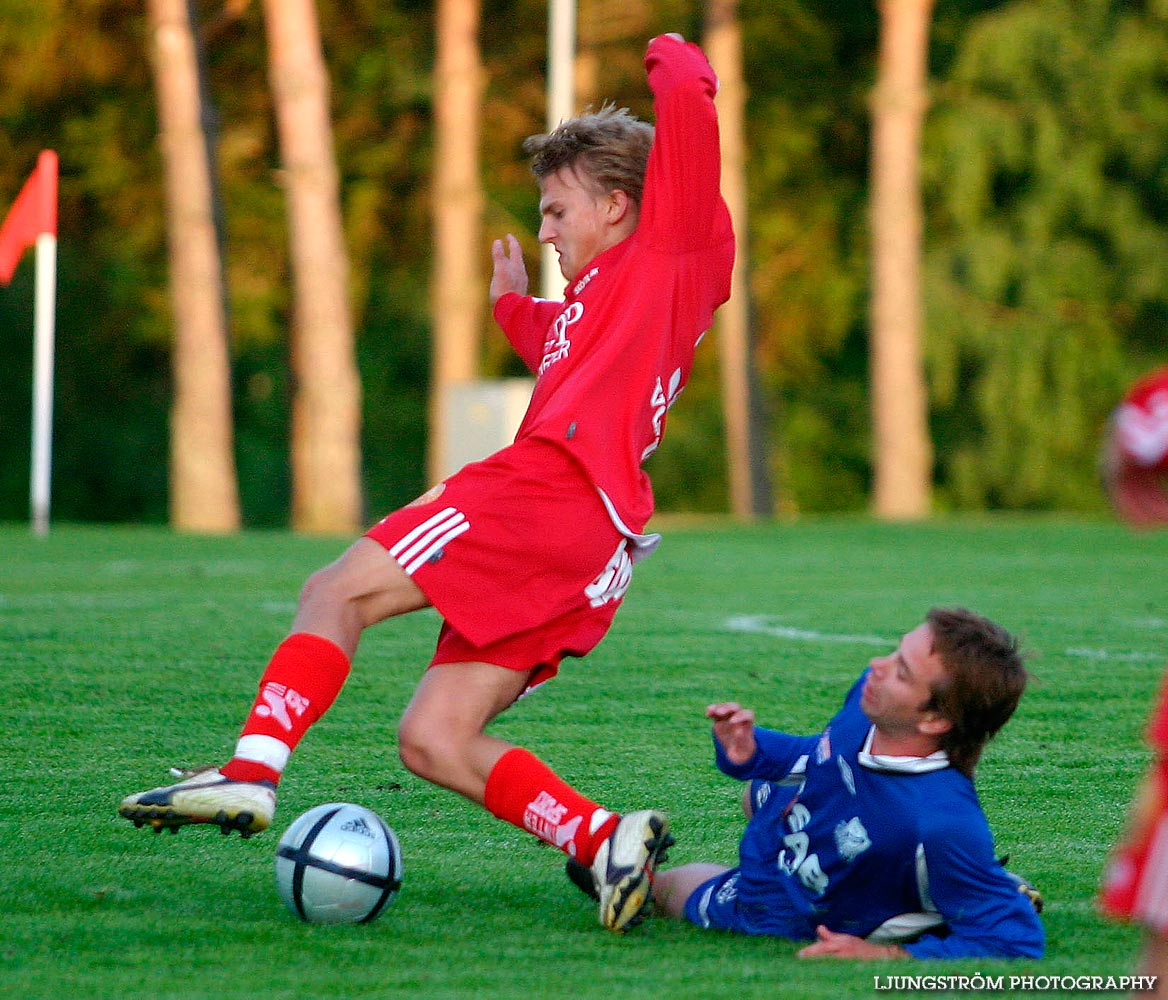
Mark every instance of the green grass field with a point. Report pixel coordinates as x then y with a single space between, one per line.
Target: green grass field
124 651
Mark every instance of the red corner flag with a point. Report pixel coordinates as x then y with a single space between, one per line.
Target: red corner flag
34 212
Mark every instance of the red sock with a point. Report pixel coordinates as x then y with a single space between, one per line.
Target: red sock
525 792
303 678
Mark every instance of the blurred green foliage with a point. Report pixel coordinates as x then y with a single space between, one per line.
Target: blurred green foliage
1046 160
1048 245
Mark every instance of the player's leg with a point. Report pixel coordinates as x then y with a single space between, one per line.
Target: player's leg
309 668
363 587
672 888
302 680
441 738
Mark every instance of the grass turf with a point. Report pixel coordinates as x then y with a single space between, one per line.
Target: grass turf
123 651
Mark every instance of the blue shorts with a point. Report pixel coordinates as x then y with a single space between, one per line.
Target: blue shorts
715 905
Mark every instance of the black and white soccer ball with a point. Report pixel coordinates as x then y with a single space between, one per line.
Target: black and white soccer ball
338 863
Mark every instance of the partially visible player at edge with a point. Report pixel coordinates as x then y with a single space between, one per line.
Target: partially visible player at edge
1135 456
528 554
1135 878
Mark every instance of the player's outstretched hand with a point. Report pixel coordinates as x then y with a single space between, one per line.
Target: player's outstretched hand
510 273
833 945
734 729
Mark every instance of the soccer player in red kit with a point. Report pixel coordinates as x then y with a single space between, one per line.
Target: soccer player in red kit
527 554
1135 460
1135 879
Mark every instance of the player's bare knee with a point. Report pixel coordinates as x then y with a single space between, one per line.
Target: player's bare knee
418 749
331 591
320 587
413 757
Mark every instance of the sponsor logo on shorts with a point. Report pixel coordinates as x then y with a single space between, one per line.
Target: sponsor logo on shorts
614 579
728 890
661 400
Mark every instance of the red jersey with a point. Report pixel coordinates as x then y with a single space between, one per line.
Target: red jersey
614 355
1141 422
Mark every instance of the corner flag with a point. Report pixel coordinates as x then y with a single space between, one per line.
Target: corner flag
34 212
32 221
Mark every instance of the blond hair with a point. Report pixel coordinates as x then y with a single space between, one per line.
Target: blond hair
609 147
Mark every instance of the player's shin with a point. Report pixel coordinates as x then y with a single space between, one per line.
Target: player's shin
303 678
525 792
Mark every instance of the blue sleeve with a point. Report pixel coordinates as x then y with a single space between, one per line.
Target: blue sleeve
985 912
776 757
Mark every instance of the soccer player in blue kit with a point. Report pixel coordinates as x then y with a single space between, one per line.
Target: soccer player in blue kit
883 828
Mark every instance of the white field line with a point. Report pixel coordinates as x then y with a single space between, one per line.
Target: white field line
1134 656
770 625
773 626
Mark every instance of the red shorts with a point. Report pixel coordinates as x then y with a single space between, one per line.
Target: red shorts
519 556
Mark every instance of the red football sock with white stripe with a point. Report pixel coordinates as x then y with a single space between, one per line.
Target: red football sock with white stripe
303 678
525 792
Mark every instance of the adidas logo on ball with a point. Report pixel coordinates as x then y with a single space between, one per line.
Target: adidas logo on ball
358 826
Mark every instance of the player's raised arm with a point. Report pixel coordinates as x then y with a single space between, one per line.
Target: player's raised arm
682 203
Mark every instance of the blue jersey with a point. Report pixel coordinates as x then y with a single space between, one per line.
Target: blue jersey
866 838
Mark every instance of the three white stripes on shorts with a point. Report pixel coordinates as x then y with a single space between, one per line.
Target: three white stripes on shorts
413 549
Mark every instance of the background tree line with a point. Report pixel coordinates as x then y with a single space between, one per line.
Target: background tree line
1045 165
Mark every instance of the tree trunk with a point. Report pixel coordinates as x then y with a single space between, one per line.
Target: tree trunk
457 290
745 453
326 407
204 492
902 450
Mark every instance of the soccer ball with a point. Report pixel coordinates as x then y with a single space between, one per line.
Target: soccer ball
338 863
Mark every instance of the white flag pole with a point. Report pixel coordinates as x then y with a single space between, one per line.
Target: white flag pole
560 100
42 391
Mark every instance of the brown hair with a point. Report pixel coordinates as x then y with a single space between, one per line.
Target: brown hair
984 681
610 147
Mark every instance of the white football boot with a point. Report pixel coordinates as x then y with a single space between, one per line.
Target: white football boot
204 796
623 869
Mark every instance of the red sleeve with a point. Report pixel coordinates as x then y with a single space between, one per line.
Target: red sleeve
525 321
682 195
